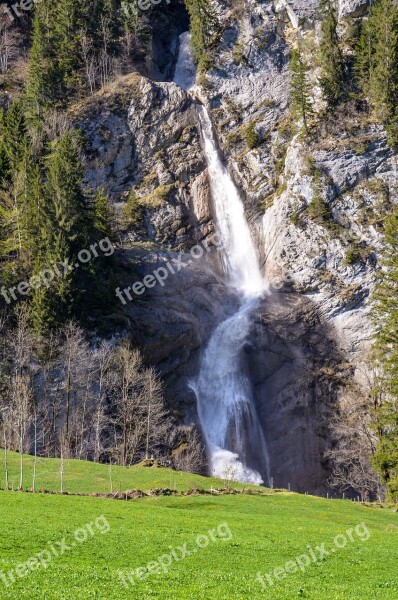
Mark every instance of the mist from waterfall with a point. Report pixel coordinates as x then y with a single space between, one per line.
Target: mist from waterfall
227 414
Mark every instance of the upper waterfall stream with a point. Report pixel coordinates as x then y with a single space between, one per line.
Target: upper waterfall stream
226 409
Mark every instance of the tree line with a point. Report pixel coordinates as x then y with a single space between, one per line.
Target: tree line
47 216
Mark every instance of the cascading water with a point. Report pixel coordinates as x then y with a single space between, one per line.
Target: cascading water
226 410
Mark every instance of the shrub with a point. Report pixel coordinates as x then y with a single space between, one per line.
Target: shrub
318 209
132 212
251 136
352 256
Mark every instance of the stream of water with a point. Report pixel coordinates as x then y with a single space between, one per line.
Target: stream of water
234 437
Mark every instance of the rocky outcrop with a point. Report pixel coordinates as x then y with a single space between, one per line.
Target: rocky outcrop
301 12
143 136
332 263
173 320
353 8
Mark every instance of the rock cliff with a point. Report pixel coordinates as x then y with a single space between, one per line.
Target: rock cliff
310 338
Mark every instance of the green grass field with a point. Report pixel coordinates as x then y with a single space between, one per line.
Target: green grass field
248 534
87 477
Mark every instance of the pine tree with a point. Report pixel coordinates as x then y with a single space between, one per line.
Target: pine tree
301 103
68 22
364 52
203 27
377 63
102 214
132 211
330 56
37 94
14 138
68 203
386 358
384 72
5 171
67 230
16 240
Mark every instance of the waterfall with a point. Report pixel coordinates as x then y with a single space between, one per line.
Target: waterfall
185 72
235 440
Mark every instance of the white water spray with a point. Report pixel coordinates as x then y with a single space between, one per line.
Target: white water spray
225 403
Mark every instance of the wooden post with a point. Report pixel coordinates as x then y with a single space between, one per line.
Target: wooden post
6 459
62 470
110 475
35 451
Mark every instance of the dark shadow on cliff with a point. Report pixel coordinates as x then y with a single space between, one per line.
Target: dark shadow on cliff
297 373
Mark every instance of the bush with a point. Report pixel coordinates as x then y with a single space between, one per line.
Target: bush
352 256
251 136
318 209
132 213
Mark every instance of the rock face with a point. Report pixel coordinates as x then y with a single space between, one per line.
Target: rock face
313 337
143 136
296 370
301 12
334 264
353 8
318 257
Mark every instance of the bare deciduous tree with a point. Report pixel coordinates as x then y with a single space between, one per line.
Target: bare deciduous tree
140 419
10 41
20 388
355 443
190 456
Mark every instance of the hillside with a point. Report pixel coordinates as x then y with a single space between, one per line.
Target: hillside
88 477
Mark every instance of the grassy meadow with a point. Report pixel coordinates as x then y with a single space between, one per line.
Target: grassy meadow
230 539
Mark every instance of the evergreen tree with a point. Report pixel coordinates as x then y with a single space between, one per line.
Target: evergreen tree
67 230
330 56
377 63
16 240
5 173
14 138
37 92
203 27
384 71
364 52
386 358
301 103
67 24
102 214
